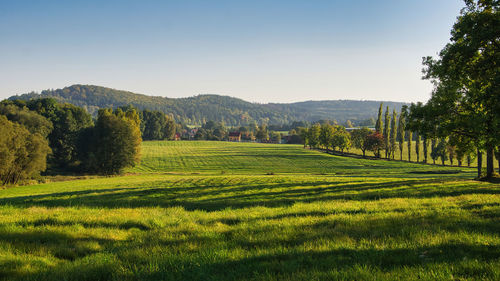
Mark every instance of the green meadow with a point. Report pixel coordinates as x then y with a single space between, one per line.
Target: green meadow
245 211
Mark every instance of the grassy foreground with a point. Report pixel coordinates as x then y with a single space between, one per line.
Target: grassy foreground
219 216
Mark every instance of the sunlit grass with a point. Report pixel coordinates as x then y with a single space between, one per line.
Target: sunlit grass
343 219
209 157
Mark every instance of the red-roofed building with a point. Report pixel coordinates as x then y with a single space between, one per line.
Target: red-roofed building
235 136
177 136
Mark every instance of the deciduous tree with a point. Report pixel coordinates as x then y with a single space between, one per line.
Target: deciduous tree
359 137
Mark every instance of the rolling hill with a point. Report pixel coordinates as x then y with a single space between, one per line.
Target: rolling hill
198 109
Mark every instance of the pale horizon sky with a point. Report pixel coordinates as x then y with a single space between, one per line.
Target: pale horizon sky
260 51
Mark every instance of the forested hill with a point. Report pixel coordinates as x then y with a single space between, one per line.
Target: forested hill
198 109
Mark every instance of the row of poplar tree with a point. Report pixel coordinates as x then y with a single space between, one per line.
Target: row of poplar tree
462 117
393 134
42 133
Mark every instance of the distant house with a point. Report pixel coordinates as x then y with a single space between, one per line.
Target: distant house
234 136
192 133
177 136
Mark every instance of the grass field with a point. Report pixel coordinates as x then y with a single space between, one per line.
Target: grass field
215 211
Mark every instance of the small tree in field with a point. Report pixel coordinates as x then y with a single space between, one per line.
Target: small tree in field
375 142
313 136
439 151
304 135
326 135
341 139
359 139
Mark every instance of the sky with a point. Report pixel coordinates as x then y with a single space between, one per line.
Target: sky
260 50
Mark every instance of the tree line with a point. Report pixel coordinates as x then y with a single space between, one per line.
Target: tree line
394 134
198 110
42 134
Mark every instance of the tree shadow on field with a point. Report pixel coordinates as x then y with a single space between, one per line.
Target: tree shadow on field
55 243
298 261
241 194
271 250
291 266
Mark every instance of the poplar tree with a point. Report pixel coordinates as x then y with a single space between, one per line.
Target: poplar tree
378 125
401 130
393 133
387 128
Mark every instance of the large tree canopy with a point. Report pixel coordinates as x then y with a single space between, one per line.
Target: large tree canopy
466 75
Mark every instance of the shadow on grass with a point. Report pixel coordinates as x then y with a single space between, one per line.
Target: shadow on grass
270 251
53 243
100 224
241 195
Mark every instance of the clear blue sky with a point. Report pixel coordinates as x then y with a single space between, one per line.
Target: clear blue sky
261 51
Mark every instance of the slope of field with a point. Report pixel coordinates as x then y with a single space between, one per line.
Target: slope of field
210 157
303 223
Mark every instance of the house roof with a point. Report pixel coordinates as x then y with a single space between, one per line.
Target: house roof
234 134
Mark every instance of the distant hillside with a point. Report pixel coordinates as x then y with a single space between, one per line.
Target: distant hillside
198 109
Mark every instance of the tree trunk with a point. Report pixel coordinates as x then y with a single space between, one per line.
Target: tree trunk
479 162
498 164
489 161
469 159
363 153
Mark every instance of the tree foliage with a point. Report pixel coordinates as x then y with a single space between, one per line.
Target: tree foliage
375 142
231 111
22 154
379 124
68 122
19 113
114 142
155 125
359 138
